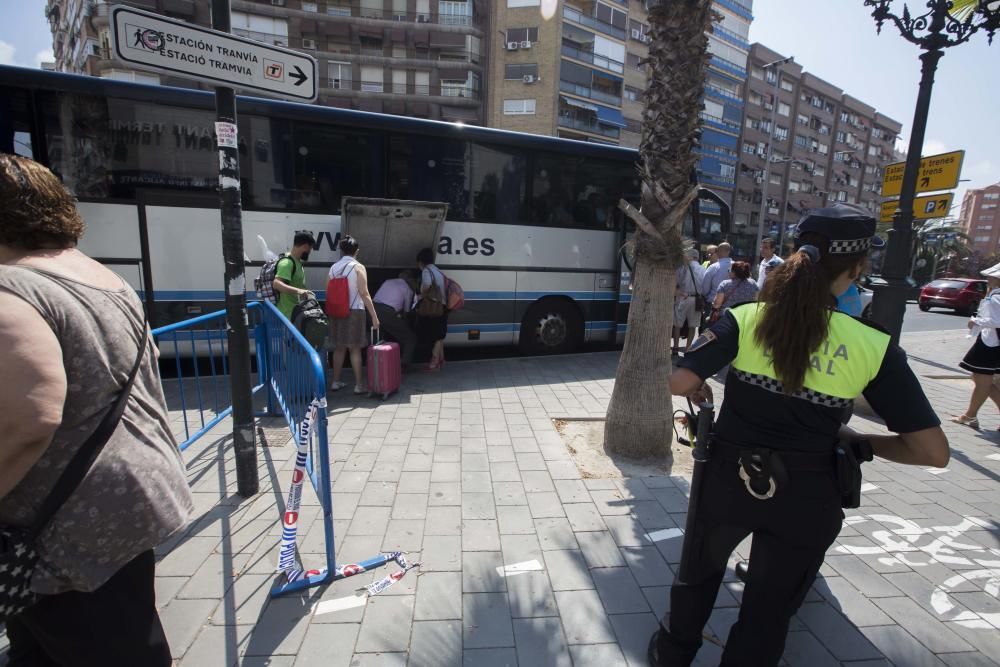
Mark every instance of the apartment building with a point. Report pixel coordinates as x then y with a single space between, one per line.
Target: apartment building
827 147
579 73
419 58
980 219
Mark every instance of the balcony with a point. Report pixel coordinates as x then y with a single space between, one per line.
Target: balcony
728 67
455 93
730 36
590 93
737 7
589 125
593 58
455 14
265 37
577 16
719 123
722 93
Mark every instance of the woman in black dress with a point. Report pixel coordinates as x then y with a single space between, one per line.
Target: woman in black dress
983 358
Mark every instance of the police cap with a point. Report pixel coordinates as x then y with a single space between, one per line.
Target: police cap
849 229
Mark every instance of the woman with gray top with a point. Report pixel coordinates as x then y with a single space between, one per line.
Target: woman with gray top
70 333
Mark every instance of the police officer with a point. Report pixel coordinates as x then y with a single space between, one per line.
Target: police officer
796 363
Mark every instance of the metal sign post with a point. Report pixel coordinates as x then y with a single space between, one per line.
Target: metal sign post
162 44
237 325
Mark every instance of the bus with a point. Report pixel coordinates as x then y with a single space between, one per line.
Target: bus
533 232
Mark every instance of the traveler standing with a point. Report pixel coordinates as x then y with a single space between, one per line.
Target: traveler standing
289 274
710 256
432 316
983 358
393 303
72 333
350 333
717 272
796 362
686 301
768 260
738 288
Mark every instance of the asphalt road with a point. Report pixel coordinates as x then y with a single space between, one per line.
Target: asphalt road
937 319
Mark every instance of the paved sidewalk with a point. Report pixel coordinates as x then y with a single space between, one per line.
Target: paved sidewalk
465 471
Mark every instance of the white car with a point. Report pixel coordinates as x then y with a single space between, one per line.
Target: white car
866 301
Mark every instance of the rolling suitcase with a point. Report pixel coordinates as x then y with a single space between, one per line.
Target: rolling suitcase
384 367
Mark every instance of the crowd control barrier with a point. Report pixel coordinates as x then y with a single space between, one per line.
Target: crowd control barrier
291 373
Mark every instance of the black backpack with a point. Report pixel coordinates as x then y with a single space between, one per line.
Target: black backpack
308 317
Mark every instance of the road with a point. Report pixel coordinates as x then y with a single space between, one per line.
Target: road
935 320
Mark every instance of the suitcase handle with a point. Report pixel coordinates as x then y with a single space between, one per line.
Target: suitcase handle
375 335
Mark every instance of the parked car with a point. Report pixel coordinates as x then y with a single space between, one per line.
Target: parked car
866 301
959 294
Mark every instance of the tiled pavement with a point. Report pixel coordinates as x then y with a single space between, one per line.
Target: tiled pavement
465 470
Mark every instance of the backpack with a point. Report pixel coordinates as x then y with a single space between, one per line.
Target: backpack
432 303
338 295
454 296
264 282
308 317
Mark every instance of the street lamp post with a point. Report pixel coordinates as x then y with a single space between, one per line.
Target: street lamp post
933 32
770 147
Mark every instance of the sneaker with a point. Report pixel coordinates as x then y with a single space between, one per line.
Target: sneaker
360 390
336 386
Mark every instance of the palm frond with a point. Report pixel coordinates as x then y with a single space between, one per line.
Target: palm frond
962 9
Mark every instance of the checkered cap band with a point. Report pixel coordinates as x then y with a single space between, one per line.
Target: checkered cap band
849 247
774 386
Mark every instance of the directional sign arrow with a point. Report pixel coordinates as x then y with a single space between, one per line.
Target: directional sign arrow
924 182
298 75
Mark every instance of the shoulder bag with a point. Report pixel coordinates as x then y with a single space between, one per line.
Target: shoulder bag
699 300
432 303
18 553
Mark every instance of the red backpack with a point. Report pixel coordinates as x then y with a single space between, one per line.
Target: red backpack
454 296
338 295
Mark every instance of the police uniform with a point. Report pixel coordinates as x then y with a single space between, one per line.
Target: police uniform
772 469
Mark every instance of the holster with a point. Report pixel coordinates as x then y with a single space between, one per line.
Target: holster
849 455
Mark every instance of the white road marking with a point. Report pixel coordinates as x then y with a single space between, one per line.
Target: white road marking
519 568
665 534
936 471
340 604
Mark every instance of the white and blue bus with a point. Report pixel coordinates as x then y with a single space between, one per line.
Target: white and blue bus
533 231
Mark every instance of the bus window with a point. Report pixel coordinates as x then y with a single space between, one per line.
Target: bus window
580 192
499 180
15 123
430 169
331 163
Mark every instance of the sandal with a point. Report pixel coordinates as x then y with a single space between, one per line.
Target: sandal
965 420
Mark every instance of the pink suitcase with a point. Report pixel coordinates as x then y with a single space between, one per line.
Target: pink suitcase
384 368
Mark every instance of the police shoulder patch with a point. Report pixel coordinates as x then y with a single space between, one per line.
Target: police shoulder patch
704 339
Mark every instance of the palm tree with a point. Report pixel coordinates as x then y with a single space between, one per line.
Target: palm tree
639 415
937 240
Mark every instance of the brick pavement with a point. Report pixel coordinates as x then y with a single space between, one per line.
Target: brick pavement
465 471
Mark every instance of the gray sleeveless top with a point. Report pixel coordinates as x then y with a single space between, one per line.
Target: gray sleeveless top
136 494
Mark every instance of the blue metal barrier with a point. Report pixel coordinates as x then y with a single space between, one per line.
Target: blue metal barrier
292 374
203 338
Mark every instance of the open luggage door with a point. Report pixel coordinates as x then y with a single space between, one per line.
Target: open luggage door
392 231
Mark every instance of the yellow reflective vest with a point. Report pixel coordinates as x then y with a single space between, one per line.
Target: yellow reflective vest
843 365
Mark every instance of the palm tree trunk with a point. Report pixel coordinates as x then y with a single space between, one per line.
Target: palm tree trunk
639 417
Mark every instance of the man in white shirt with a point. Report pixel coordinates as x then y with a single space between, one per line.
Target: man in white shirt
717 272
769 261
689 278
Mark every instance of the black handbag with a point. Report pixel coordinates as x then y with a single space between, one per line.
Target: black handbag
18 555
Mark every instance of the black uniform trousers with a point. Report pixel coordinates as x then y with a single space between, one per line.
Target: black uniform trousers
791 533
114 626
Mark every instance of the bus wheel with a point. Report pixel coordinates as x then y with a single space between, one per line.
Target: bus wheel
551 326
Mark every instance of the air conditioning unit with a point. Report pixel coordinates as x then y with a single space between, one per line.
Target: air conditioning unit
529 78
526 44
758 180
309 44
644 38
513 46
637 34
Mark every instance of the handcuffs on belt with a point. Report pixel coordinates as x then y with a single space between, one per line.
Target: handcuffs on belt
763 472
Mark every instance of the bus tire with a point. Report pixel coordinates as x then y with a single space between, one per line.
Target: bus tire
551 326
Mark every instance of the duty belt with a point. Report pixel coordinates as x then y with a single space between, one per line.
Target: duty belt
764 470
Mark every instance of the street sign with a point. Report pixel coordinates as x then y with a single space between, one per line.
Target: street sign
191 51
937 172
924 208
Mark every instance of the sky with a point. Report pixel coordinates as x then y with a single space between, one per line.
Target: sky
832 39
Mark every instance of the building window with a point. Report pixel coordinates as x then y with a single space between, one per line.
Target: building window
523 3
984 228
775 179
371 79
634 61
842 195
518 107
803 120
633 94
986 217
422 83
784 109
823 149
991 195
518 72
633 125
982 239
749 148
309 7
341 75
455 88
371 46
522 35
794 186
987 207
611 16
781 133
727 170
261 28
454 13
787 85
755 98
